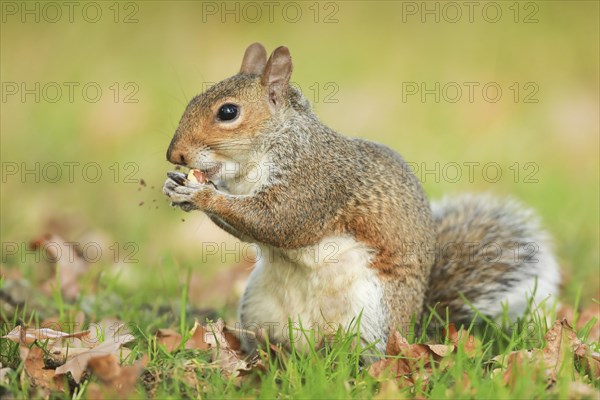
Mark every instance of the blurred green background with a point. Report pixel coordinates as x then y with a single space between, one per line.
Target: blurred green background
364 64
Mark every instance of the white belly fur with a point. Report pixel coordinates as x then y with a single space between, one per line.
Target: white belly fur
321 287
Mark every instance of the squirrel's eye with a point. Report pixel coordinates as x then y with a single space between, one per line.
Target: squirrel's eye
227 112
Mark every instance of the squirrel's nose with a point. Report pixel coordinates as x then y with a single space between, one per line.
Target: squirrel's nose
175 156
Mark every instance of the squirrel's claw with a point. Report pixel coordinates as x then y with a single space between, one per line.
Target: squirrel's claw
180 196
182 192
177 176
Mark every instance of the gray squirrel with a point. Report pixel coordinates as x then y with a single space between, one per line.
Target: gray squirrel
343 225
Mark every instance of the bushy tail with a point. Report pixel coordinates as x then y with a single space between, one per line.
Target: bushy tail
493 251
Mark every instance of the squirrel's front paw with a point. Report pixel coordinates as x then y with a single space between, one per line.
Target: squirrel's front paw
186 194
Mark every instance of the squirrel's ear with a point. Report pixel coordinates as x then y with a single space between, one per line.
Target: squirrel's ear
276 76
254 60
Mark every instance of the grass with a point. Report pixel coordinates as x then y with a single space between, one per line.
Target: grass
334 370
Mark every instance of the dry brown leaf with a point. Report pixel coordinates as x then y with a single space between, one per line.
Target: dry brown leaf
224 347
410 362
471 346
517 363
59 355
28 336
590 360
198 339
107 328
593 361
395 368
231 335
201 338
169 338
561 342
78 364
228 359
41 378
116 382
441 350
562 348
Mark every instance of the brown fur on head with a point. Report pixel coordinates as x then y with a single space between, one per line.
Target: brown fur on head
260 93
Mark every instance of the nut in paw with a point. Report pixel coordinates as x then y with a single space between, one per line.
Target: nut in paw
186 194
180 191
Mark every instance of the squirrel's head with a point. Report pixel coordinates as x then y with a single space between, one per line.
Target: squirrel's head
222 127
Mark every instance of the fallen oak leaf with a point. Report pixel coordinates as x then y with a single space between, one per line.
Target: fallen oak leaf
398 345
223 355
409 363
592 365
561 343
518 363
78 364
34 369
115 381
395 368
588 359
198 339
461 338
441 350
57 356
395 343
227 358
562 348
221 341
232 337
30 335
169 338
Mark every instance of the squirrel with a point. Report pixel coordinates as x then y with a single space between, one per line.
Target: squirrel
342 225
